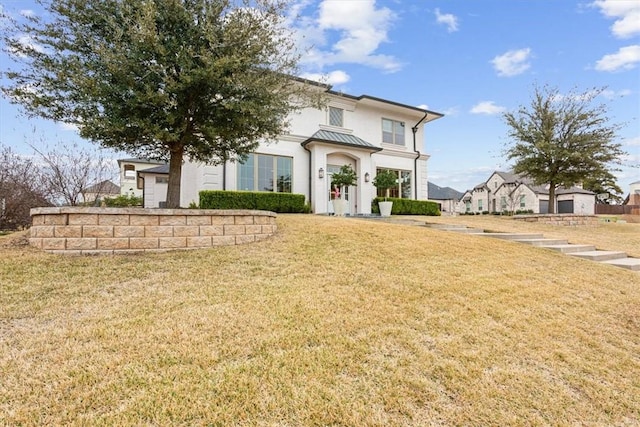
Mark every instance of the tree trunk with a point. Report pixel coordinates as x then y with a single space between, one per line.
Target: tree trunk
552 197
175 175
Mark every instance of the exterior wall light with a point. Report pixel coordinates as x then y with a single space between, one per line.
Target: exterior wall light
321 173
367 177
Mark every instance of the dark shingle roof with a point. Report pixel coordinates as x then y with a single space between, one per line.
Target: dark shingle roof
136 160
162 169
443 193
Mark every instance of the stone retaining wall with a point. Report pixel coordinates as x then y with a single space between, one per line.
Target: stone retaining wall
79 231
560 219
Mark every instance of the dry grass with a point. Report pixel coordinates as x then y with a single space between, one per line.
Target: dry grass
330 322
617 236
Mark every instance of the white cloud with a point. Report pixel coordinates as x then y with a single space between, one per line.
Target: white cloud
611 94
451 21
28 13
346 32
333 78
68 127
487 107
28 42
625 59
626 14
512 63
632 141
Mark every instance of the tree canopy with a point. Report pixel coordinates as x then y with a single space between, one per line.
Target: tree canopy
606 188
163 79
562 140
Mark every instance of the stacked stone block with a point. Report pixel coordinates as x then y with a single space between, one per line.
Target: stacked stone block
73 230
560 219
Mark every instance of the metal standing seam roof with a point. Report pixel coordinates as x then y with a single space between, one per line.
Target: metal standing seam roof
341 139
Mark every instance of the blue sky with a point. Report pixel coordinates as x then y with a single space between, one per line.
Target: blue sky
469 59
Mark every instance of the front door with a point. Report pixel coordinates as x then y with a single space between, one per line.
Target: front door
332 191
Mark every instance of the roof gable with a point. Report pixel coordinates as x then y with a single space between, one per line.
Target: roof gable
442 193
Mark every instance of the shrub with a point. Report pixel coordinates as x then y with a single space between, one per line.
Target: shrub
254 200
122 201
408 207
384 180
345 177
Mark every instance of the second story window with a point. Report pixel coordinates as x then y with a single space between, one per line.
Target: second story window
392 132
336 116
129 172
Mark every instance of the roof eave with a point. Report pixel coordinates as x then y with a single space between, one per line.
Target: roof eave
345 144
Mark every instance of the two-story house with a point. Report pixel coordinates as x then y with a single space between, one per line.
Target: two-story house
508 192
129 169
368 133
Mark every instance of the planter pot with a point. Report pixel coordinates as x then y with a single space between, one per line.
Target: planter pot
385 208
339 207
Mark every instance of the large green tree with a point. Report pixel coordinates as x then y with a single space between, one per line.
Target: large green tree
562 140
606 188
164 79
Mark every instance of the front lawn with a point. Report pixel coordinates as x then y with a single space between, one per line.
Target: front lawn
333 321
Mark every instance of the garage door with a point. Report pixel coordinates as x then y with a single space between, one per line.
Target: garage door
544 206
565 206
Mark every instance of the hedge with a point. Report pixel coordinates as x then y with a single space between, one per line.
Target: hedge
254 200
408 207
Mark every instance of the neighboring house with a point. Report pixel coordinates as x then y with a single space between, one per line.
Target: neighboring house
446 197
129 169
633 198
99 191
368 133
508 192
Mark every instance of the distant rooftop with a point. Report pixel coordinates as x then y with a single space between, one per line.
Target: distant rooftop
443 193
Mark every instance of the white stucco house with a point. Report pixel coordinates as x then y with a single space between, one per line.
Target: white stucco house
368 133
129 169
505 191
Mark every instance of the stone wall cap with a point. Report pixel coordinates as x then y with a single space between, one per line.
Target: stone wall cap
553 215
146 211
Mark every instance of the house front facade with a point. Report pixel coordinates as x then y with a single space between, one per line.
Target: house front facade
507 192
368 133
129 168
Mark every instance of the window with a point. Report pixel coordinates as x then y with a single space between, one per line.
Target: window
480 205
503 202
263 172
162 179
403 189
467 206
392 132
522 201
129 172
336 116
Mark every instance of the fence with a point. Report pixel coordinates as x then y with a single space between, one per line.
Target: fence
617 209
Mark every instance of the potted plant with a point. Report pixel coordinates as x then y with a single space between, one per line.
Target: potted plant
344 178
384 180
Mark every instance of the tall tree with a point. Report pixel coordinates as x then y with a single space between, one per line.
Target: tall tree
164 79
561 140
607 190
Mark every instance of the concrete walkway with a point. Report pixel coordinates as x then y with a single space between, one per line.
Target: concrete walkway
589 252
